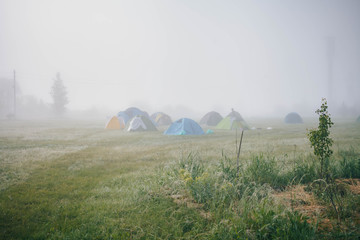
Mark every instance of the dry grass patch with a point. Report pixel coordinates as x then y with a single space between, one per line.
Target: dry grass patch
298 199
353 184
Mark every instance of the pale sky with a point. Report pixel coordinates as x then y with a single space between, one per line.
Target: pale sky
258 57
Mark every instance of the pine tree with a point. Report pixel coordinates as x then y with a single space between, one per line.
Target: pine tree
59 95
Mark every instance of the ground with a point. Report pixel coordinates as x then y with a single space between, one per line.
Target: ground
76 180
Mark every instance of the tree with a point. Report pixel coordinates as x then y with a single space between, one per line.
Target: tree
321 142
320 139
59 95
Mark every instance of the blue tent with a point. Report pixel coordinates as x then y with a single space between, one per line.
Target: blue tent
184 126
133 111
124 116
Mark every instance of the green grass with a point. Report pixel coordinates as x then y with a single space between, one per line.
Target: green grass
75 180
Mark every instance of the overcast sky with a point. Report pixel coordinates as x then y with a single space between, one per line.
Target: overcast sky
258 57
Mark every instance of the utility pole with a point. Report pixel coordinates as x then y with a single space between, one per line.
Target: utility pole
14 94
238 154
330 41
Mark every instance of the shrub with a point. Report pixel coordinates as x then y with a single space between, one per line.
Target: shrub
320 140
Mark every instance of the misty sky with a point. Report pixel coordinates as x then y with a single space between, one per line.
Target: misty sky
258 57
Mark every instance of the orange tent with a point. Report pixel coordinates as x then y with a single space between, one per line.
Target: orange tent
115 123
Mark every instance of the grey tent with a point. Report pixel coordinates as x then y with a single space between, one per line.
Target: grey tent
293 118
211 118
161 119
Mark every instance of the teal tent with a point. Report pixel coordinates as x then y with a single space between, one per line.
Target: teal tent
209 131
184 126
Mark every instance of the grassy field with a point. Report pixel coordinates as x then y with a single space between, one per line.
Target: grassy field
75 180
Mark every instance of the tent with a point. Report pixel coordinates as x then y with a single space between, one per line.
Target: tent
140 123
293 118
122 115
115 123
161 119
133 111
211 118
236 115
184 126
230 123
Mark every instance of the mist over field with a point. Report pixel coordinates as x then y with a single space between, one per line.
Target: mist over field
185 58
188 119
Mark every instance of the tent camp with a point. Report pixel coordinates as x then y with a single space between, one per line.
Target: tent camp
230 123
211 118
133 111
293 118
184 126
161 119
140 123
115 123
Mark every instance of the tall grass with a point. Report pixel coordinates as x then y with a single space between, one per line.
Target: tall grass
80 182
241 206
246 199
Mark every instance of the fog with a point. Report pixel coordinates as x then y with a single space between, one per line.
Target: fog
262 58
